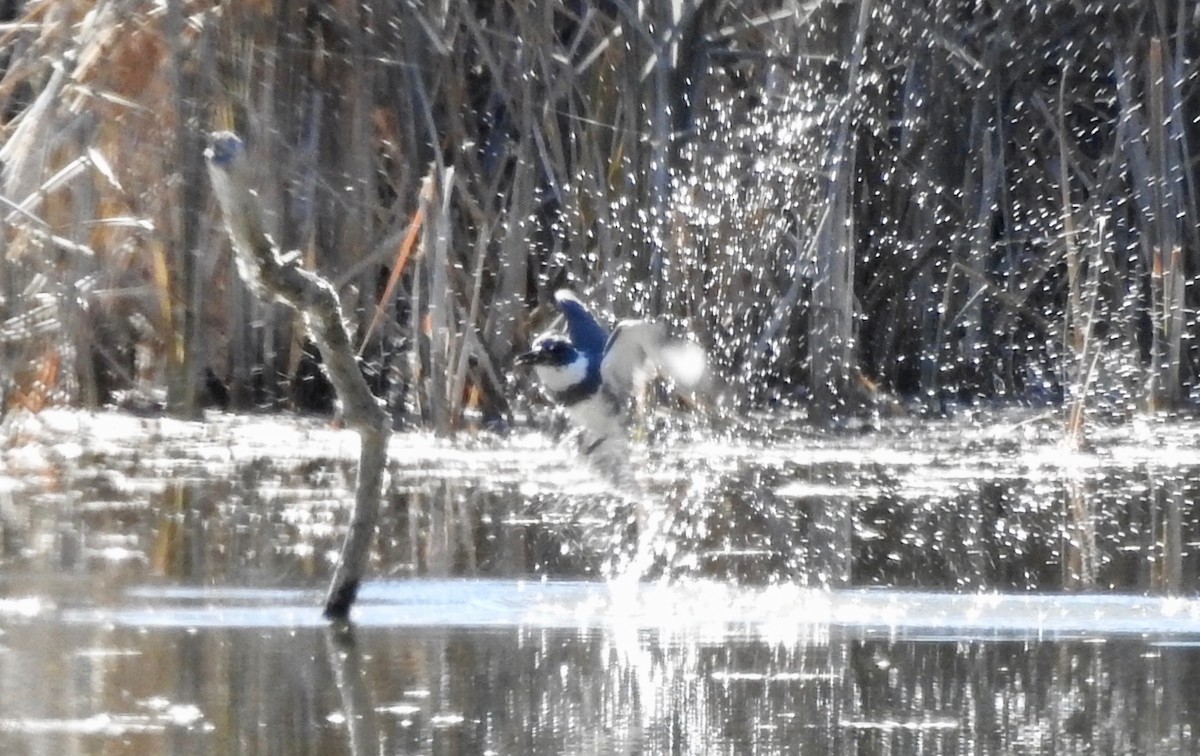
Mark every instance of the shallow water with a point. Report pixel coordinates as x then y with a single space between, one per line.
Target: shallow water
927 587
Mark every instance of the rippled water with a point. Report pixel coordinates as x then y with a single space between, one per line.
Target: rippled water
925 587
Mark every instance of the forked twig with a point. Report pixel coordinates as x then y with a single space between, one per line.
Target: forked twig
278 277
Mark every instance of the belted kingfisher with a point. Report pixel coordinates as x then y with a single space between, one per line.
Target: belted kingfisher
593 374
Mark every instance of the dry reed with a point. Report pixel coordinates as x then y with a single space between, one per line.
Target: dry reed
955 200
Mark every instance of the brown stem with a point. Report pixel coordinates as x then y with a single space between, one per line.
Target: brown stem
280 278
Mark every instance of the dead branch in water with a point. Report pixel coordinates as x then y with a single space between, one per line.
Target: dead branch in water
278 277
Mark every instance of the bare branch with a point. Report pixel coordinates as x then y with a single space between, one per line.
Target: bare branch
280 278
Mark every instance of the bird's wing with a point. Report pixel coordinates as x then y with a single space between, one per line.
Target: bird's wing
587 334
684 362
629 355
640 349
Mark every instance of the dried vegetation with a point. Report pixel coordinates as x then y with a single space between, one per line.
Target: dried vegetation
947 200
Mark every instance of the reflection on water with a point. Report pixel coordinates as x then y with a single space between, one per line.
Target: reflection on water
160 588
82 681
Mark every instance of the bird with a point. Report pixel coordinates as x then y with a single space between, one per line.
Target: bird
594 374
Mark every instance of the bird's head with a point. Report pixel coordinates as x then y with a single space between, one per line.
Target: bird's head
551 350
559 365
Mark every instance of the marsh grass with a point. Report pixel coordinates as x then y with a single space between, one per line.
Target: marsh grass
947 201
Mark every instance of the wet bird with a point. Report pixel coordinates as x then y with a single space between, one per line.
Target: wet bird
593 374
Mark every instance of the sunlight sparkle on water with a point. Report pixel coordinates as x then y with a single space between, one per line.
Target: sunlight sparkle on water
698 609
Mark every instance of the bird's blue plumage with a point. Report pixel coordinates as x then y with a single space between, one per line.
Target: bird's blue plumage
223 147
593 375
587 335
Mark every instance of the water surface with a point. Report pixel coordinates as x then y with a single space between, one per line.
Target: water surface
925 587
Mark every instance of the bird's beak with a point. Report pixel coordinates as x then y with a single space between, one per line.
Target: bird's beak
528 358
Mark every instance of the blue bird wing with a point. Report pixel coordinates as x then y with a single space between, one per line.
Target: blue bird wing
586 333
